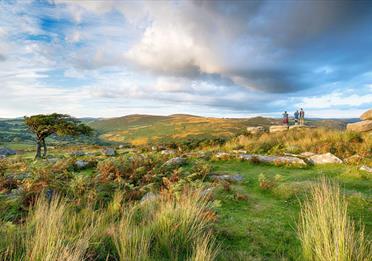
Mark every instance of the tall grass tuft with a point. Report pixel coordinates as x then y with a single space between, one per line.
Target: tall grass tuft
178 222
131 242
205 249
51 232
325 230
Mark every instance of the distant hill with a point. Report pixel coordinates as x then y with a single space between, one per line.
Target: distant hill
142 129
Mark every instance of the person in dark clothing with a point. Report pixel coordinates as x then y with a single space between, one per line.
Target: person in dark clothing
296 115
285 118
302 117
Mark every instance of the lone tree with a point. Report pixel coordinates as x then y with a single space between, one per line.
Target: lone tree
59 124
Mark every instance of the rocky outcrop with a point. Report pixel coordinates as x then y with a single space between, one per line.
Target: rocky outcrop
255 130
273 159
278 128
7 152
327 158
361 126
367 115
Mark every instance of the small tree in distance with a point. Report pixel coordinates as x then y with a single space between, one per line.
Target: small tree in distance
60 124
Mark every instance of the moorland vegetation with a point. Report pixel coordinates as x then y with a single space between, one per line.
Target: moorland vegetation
182 201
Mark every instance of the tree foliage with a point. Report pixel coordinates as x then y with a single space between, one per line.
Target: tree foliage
59 124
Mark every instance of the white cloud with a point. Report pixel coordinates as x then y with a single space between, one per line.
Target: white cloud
336 99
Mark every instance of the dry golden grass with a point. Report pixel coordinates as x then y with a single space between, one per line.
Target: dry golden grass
325 230
341 143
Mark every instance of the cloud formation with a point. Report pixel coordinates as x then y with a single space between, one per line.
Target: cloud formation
221 57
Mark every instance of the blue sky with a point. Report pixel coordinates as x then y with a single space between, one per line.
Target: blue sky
212 58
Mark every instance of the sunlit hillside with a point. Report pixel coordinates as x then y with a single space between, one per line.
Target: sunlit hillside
143 129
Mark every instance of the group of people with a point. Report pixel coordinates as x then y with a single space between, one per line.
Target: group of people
299 117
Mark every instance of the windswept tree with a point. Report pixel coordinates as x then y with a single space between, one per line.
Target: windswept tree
59 124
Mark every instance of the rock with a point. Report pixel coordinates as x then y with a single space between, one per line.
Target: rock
167 152
367 115
81 164
327 158
7 152
366 168
222 155
2 156
307 154
226 177
149 196
77 153
298 127
355 159
273 159
278 128
109 152
362 126
177 161
256 130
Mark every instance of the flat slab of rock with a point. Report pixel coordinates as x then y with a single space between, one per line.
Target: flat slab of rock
367 115
274 159
255 130
307 154
226 177
366 168
361 126
327 158
7 152
299 127
278 128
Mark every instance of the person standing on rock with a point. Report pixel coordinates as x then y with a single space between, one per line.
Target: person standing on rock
296 114
302 117
285 118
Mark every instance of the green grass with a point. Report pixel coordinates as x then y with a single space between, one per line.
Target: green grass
263 226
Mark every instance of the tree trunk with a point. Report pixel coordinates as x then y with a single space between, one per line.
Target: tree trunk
38 149
45 148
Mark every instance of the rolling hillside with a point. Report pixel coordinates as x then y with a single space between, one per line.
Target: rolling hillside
142 129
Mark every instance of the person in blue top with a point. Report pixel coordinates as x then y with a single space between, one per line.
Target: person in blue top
296 115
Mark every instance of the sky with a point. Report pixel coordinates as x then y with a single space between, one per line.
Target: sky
211 58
